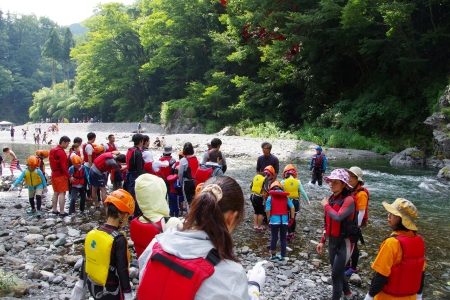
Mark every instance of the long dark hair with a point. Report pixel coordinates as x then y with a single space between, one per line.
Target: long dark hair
207 214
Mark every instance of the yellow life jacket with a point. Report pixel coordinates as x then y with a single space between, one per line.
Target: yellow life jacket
32 178
291 186
257 184
97 246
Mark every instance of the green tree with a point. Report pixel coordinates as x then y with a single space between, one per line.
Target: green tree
108 74
67 45
53 50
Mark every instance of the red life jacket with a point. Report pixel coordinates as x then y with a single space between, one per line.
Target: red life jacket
337 229
405 279
100 162
79 176
318 161
193 166
279 203
111 147
366 213
143 233
168 277
149 169
165 171
203 173
55 164
85 155
171 179
130 155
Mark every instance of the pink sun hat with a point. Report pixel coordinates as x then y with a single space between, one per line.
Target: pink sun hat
340 174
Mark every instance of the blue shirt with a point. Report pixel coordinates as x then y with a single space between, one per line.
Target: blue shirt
275 219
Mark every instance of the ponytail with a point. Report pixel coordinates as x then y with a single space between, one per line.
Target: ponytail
220 194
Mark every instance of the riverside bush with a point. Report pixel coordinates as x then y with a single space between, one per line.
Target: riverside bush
266 130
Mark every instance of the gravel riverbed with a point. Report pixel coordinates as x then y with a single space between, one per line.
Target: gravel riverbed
44 255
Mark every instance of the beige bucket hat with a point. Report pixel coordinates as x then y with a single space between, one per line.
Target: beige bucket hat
406 210
357 172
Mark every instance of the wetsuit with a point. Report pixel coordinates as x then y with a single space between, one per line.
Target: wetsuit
339 248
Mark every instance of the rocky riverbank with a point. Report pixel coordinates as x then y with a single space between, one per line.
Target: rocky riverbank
44 255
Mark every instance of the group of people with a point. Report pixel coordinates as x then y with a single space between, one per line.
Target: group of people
196 253
399 266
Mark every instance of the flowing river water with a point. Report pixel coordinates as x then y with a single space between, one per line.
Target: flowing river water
385 183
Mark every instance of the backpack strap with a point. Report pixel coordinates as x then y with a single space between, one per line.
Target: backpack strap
213 257
151 222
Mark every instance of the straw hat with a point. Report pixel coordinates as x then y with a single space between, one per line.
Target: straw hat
357 172
404 209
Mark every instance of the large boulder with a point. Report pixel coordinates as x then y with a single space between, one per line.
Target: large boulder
444 174
409 157
440 124
179 123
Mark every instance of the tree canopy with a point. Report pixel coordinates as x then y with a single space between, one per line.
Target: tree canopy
355 66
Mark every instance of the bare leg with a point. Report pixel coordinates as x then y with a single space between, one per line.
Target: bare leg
54 201
259 221
94 196
62 202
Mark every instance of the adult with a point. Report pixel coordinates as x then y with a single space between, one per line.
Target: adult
146 118
361 196
150 117
318 166
111 145
215 145
186 172
60 174
339 216
400 263
206 237
147 155
267 159
139 127
135 167
88 150
104 164
167 156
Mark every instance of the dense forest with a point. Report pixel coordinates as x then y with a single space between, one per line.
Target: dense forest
357 73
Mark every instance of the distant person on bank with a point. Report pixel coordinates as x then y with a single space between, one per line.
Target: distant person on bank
318 166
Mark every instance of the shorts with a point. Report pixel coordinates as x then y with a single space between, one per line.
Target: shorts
258 204
37 192
96 180
60 184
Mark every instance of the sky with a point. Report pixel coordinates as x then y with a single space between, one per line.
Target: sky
63 12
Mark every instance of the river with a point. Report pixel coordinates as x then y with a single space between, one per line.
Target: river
385 183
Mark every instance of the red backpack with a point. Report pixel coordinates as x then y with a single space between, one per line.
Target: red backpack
166 275
203 173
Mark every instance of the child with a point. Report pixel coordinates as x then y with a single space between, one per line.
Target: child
107 254
81 181
41 155
294 187
2 165
259 188
36 184
14 161
277 214
174 206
